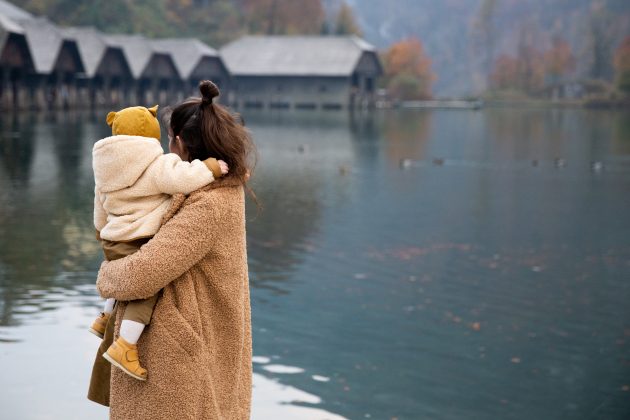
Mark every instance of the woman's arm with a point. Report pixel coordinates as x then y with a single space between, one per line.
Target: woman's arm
178 245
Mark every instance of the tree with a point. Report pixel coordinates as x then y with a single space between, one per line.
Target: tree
622 66
600 40
346 23
559 60
505 73
531 63
273 17
408 72
485 31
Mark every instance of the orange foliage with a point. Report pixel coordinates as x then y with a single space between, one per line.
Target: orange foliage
622 56
559 60
505 74
525 72
531 71
408 70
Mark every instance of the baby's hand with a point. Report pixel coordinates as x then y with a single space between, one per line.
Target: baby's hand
224 167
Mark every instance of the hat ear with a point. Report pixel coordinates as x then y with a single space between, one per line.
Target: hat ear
110 118
153 110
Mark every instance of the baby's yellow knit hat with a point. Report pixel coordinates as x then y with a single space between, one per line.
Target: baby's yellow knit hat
135 121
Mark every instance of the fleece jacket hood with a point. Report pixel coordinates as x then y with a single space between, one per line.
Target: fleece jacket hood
119 161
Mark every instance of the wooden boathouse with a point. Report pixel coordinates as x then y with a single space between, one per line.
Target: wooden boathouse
327 72
194 61
45 66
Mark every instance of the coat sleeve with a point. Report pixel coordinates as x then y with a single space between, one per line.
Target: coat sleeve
179 244
171 175
100 215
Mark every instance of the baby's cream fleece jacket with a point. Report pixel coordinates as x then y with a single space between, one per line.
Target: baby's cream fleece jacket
134 181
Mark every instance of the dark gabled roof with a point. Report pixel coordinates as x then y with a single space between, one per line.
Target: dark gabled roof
44 41
136 48
92 46
294 55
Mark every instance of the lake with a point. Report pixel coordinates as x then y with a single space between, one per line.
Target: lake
445 264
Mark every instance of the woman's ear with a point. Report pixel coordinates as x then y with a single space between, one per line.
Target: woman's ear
181 145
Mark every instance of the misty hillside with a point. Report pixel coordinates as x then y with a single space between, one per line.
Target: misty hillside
454 38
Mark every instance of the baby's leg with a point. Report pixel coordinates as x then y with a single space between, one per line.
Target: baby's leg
100 323
137 315
109 306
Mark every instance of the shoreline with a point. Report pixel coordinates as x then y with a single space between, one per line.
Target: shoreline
480 103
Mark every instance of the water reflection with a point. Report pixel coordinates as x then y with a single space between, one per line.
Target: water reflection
300 157
47 236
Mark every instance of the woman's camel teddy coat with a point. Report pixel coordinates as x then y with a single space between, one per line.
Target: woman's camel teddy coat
197 349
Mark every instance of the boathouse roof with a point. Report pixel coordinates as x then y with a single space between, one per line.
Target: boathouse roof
12 11
137 51
187 53
92 46
295 55
44 42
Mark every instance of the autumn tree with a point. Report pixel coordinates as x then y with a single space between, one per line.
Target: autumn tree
273 17
622 66
559 60
531 62
213 21
408 72
346 24
505 73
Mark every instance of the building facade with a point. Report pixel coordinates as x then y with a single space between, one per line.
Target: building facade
302 72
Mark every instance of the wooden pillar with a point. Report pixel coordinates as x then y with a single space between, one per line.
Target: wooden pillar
3 89
107 90
155 92
15 91
92 93
140 91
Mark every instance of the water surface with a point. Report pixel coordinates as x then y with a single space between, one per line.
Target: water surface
408 265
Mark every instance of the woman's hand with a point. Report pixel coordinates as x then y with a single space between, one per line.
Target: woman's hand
224 167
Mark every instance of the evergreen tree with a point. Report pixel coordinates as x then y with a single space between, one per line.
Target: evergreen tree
346 23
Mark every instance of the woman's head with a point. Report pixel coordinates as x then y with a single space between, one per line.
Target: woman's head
199 129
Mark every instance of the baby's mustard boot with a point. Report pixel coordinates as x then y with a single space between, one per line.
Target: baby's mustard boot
99 324
125 356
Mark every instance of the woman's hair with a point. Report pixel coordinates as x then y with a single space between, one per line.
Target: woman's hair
210 130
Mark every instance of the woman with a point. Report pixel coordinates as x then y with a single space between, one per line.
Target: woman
198 345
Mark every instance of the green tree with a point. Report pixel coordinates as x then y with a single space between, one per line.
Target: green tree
346 24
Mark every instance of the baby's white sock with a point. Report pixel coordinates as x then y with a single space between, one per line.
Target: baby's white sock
131 330
109 305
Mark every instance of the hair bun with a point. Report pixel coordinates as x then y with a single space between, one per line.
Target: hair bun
208 91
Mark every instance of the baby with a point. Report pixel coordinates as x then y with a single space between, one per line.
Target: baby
134 181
